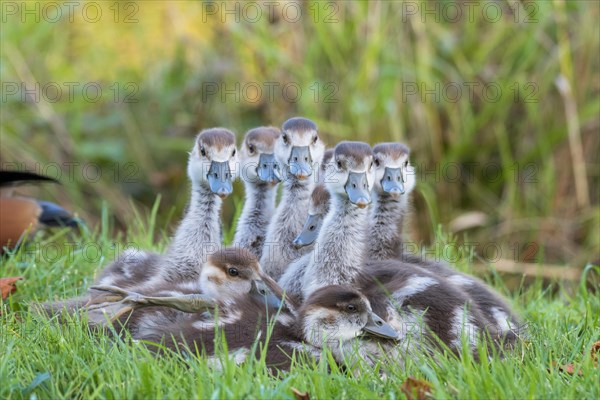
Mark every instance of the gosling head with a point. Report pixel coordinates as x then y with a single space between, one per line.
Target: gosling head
232 273
317 210
213 161
257 156
335 314
350 173
299 148
394 176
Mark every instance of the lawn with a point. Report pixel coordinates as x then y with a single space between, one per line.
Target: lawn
45 359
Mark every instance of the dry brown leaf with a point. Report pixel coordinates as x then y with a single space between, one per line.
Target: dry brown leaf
567 368
416 389
300 395
570 368
7 286
594 352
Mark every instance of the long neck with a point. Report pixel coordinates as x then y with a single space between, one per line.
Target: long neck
340 248
198 235
386 227
259 206
298 192
289 218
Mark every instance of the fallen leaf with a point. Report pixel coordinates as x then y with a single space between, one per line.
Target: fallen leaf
7 286
416 389
594 352
300 395
570 368
567 368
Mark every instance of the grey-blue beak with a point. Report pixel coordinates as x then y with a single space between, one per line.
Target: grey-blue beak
268 169
261 292
219 179
310 231
357 188
393 181
300 162
376 326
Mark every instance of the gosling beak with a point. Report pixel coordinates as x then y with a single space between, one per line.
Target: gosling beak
262 292
219 178
309 232
393 182
300 162
357 189
268 169
376 326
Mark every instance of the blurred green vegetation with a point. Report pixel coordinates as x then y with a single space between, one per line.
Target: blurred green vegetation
510 144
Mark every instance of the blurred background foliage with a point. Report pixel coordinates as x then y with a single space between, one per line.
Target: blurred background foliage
519 169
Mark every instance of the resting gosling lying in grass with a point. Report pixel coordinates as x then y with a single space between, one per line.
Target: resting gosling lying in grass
332 317
394 183
227 275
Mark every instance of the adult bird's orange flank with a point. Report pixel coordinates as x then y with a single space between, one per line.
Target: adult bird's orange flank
19 215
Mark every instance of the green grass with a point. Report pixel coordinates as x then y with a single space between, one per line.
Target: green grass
44 359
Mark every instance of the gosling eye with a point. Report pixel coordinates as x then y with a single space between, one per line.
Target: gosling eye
233 272
339 164
285 138
311 228
314 139
251 149
405 163
202 151
233 153
377 162
351 308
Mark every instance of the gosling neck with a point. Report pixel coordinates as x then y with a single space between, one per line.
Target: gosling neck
258 209
279 251
388 215
198 235
340 248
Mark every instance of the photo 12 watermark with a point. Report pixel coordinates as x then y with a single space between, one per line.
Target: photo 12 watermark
269 92
70 92
472 171
75 171
470 11
126 12
252 12
85 251
453 92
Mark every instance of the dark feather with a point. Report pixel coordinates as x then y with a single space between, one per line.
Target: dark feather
10 178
